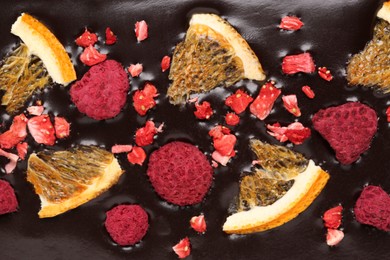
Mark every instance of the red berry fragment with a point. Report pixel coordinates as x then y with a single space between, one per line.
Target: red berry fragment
22 150
332 217
295 132
144 136
42 129
141 30
8 201
121 148
16 133
144 99
264 102
35 110
203 111
86 39
291 23
224 143
334 236
165 63
325 73
135 69
232 119
308 92
13 159
298 63
388 114
183 248
290 102
198 223
136 156
239 101
110 37
91 56
62 127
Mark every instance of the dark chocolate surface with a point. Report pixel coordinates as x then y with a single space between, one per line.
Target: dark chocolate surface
333 31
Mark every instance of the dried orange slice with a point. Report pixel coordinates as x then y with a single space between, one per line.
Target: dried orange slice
212 54
285 186
67 179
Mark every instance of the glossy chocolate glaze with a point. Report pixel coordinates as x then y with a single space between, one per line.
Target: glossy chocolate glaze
333 31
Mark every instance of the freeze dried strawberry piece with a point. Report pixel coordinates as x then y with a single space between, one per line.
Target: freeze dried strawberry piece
62 127
144 99
388 114
308 92
334 236
135 69
13 159
264 102
239 101
224 142
348 128
121 148
110 36
41 129
291 23
298 63
219 131
232 119
91 56
295 132
165 63
325 73
198 223
183 248
141 30
290 102
35 110
86 39
332 217
22 150
144 136
203 111
137 155
219 158
16 133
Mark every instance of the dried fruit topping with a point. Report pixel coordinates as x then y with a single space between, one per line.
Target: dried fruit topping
295 132
137 155
22 150
135 69
8 201
198 223
332 217
203 110
334 236
291 23
42 129
145 135
183 248
224 143
86 39
264 102
298 63
35 110
219 131
232 119
308 91
121 148
165 63
388 114
91 56
110 37
290 102
62 127
16 133
144 99
13 159
325 73
141 30
239 101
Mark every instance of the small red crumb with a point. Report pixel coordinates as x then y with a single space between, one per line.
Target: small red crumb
334 236
144 136
198 223
203 111
290 102
291 23
8 201
325 73
22 150
214 164
165 63
13 159
388 114
16 133
91 56
110 37
332 217
86 39
193 100
219 158
62 127
295 132
136 156
35 110
141 30
232 119
41 129
239 101
308 92
264 102
219 131
144 99
298 63
121 148
135 69
183 248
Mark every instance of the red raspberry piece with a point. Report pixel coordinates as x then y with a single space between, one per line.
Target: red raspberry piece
290 102
291 23
239 101
308 92
232 119
325 73
91 56
332 217
141 30
298 63
8 201
86 39
388 114
264 102
144 99
144 136
203 111
198 223
183 248
165 63
136 156
110 37
41 129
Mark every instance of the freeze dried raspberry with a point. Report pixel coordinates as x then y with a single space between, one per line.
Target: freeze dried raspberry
110 37
298 63
144 136
198 223
13 160
86 39
91 56
141 30
325 73
8 201
291 23
183 248
16 133
144 99
239 101
332 217
22 150
135 69
295 132
165 63
203 111
42 130
264 102
232 119
136 156
334 236
62 127
308 92
290 102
